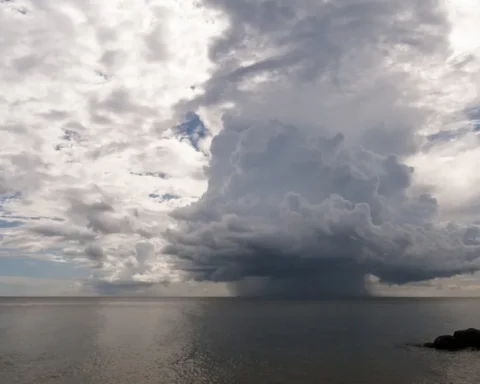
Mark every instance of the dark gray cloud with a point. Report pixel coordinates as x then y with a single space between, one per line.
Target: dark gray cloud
96 255
95 252
342 60
307 191
306 215
100 217
317 34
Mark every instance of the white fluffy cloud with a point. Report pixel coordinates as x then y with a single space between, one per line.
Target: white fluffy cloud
319 111
91 159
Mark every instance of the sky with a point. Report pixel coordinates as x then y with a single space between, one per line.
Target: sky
240 147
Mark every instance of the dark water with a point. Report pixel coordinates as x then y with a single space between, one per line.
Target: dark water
130 341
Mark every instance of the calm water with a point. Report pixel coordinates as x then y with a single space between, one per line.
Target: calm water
125 341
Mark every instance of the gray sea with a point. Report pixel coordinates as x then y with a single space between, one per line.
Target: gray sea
143 341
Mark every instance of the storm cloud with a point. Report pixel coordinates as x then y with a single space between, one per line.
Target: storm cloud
308 190
317 142
285 205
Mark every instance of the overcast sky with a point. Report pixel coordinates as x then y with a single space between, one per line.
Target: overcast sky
248 147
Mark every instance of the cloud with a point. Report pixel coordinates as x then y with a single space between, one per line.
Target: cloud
95 253
294 63
323 103
332 138
301 210
89 131
461 285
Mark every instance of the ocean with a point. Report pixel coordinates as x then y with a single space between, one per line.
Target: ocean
146 341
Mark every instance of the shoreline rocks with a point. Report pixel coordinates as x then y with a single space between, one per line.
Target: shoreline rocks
462 339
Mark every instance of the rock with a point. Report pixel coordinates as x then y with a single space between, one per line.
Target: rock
462 339
448 343
469 337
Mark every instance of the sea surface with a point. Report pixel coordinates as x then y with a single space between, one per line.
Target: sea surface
143 341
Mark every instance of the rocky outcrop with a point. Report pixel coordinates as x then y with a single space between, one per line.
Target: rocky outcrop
463 339
469 337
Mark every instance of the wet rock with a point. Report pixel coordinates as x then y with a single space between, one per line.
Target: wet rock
469 337
462 339
448 343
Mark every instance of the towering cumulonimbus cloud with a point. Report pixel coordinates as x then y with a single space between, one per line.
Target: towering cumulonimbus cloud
308 191
309 215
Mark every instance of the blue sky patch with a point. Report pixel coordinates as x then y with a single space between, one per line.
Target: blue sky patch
193 129
161 175
474 116
164 197
10 224
7 197
168 196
